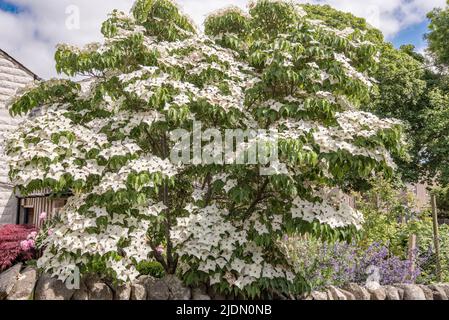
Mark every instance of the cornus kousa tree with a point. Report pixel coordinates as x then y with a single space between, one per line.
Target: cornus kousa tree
109 141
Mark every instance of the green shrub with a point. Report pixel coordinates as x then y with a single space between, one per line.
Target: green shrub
423 228
151 268
442 196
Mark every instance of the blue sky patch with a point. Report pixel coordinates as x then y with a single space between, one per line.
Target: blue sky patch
9 7
413 35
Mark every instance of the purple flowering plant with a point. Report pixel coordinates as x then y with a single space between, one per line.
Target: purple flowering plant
323 264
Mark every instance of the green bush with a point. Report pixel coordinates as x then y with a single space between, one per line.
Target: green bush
383 229
385 208
386 229
151 268
390 222
423 228
442 196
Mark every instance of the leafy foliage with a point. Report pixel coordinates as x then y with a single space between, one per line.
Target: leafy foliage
390 221
423 229
402 83
442 198
434 149
151 268
107 141
385 207
439 34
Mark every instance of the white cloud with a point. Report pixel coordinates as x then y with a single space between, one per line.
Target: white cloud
31 36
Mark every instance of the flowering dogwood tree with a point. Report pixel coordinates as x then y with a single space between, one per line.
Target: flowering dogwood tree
107 141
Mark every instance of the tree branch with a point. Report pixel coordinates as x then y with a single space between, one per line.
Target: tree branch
259 197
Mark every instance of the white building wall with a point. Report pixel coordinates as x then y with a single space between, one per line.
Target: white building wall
12 77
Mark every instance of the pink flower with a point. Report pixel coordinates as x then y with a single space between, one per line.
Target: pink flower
43 216
160 249
32 235
31 244
24 245
50 232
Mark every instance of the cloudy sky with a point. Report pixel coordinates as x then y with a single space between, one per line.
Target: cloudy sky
30 29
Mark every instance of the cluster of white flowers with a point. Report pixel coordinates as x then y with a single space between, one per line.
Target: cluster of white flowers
355 42
227 10
332 209
352 124
126 121
74 234
210 237
54 137
147 80
120 148
351 71
363 124
116 181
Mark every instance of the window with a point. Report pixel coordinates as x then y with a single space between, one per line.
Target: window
29 216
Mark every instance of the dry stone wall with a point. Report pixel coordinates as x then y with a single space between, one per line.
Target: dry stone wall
25 283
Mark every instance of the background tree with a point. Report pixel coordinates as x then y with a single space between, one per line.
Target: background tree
438 37
435 144
401 84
